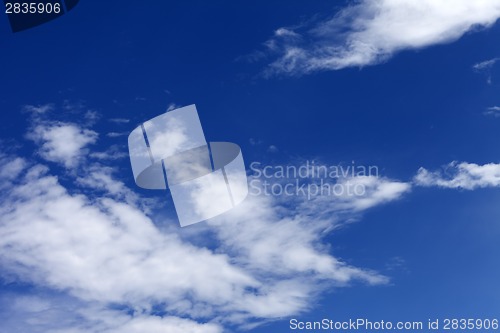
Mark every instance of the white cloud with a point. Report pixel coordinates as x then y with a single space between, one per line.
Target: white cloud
119 120
91 116
39 109
99 177
268 236
371 31
116 134
62 142
57 313
101 249
485 67
114 152
165 324
377 191
357 194
462 175
11 168
98 245
492 111
65 241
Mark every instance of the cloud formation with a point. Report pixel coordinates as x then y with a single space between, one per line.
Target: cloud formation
38 109
370 32
492 111
468 176
91 242
485 65
61 142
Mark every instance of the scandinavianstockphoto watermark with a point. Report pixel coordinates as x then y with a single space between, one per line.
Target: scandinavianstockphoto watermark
310 179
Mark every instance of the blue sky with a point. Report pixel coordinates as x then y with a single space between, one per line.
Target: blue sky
410 87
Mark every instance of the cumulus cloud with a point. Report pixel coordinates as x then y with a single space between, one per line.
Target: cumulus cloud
462 175
11 167
102 249
61 142
96 244
370 32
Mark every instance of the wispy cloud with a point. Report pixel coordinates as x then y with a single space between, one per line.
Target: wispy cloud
485 67
492 111
272 149
114 152
91 116
255 142
119 120
370 32
468 176
39 109
115 134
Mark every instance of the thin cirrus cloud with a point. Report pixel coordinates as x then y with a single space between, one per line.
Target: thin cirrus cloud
493 111
119 120
95 246
38 109
370 32
486 67
116 134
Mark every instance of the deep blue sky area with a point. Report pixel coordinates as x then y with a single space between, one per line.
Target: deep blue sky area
419 108
123 53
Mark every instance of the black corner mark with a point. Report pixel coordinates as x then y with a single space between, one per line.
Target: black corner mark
27 14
